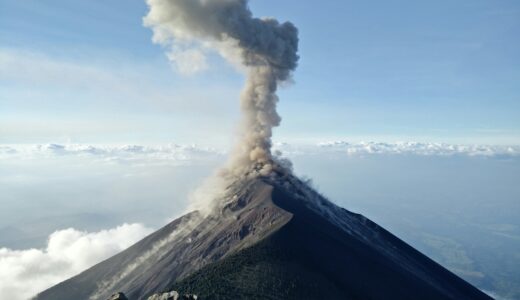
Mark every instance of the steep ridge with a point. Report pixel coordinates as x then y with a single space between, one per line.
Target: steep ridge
274 238
363 258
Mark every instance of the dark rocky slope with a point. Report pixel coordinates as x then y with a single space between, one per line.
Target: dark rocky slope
275 238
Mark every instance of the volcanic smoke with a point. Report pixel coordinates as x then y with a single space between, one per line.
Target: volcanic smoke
266 49
266 224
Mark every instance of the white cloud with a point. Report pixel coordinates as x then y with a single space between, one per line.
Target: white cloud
162 154
401 148
184 154
24 273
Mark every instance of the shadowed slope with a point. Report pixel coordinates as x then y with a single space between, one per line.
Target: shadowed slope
312 257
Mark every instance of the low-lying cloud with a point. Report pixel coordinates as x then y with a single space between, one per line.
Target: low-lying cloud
178 154
24 273
400 148
168 154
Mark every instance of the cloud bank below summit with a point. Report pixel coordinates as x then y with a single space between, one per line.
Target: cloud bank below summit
179 154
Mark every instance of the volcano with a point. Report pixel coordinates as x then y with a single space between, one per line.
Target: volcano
272 237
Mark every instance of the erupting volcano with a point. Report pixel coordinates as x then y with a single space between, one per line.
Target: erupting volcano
260 233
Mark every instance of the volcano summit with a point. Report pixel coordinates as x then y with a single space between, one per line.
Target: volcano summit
273 238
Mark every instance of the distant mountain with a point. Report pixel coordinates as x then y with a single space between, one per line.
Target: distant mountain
272 238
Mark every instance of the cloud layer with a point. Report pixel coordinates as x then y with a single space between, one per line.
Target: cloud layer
24 273
183 154
416 148
163 154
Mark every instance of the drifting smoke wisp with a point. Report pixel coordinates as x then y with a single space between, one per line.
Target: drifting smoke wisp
266 48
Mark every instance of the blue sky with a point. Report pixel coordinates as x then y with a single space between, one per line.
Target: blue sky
87 71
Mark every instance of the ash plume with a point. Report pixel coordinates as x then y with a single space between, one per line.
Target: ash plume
265 48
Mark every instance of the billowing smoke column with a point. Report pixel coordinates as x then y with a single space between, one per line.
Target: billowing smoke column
267 48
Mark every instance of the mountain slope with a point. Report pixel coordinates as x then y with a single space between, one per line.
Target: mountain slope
273 238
